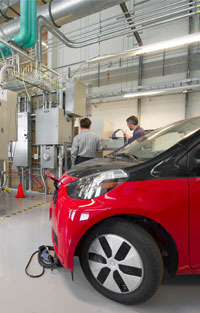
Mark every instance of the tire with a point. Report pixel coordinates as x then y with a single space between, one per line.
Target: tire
122 261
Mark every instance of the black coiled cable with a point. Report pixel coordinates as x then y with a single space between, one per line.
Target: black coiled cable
45 259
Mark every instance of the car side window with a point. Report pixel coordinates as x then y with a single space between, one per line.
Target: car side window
194 161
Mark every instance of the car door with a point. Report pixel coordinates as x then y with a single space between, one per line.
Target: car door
194 205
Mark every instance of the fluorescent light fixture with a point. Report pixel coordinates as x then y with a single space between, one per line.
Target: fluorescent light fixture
142 94
163 91
169 44
163 45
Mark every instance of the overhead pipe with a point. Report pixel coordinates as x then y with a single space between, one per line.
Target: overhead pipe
9 6
24 32
113 33
110 27
120 32
62 12
85 42
53 30
30 42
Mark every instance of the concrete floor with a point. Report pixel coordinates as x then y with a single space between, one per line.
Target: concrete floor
22 234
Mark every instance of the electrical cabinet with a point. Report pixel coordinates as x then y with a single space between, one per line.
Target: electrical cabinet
52 128
75 97
3 130
22 149
12 115
8 120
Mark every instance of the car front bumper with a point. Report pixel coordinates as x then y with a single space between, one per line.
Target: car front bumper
71 219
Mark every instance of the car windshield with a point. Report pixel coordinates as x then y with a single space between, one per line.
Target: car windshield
158 141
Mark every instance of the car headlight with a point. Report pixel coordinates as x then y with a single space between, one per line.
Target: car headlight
95 185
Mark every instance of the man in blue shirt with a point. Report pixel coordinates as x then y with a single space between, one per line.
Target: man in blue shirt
132 122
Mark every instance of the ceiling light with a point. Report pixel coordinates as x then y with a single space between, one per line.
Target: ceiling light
142 94
165 91
163 45
181 41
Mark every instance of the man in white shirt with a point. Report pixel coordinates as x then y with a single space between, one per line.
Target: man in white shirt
86 144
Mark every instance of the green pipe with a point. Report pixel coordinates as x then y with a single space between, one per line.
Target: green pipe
30 42
25 26
5 49
24 32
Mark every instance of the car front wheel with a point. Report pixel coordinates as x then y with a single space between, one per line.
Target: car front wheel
122 261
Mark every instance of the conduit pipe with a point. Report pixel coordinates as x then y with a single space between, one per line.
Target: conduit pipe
172 8
111 32
107 34
3 70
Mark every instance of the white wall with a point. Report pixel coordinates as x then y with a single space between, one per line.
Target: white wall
155 111
194 107
160 111
116 112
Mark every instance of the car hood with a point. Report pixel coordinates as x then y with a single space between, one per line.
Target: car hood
98 165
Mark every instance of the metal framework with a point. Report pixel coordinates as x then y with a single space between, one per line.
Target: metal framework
170 87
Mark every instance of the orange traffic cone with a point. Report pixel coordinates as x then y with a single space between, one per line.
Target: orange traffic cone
20 193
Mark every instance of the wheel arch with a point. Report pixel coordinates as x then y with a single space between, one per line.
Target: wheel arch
160 235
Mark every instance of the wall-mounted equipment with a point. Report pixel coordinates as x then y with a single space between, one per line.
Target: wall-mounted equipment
52 128
3 130
75 98
22 149
49 157
8 120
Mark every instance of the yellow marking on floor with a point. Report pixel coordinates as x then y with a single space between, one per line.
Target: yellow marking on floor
25 210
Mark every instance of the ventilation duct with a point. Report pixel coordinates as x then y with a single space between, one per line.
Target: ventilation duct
62 12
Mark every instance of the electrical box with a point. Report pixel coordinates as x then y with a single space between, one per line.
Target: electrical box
3 130
22 149
102 127
12 115
8 120
52 128
48 157
75 97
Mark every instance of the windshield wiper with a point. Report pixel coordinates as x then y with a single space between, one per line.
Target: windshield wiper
127 155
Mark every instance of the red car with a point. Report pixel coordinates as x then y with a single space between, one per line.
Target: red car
133 213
